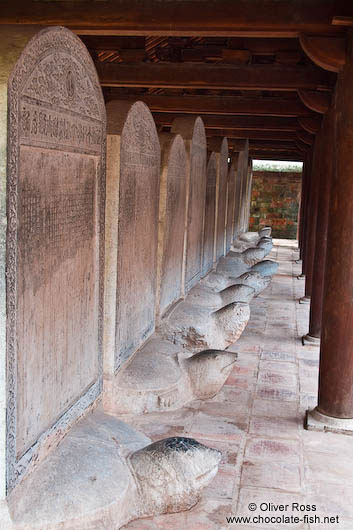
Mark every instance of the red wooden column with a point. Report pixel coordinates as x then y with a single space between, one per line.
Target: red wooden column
325 176
310 221
335 400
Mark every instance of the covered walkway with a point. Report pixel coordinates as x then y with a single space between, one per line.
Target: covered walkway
257 422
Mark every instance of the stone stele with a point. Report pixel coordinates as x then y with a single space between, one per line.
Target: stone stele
193 132
221 187
240 204
172 209
133 161
55 253
208 249
230 206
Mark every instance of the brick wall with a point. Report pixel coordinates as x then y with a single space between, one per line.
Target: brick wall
275 199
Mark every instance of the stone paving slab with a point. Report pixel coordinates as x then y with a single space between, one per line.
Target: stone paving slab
257 423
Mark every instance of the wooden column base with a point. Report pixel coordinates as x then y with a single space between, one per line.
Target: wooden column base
304 300
316 421
308 340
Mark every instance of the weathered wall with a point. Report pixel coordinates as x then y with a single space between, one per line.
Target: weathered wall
133 163
193 133
275 201
210 215
55 256
172 210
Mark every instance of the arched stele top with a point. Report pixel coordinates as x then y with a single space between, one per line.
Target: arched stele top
172 220
118 112
193 132
55 250
132 229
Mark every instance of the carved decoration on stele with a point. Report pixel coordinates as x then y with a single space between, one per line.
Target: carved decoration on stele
133 171
193 132
230 206
55 256
210 215
171 232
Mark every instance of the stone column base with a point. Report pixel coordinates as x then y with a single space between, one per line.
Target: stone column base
308 340
316 421
301 277
304 300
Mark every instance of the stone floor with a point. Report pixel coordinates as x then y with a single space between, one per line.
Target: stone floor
257 423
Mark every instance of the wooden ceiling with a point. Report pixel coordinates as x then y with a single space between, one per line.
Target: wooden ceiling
258 69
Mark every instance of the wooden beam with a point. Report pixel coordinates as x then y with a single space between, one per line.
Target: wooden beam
250 134
317 101
205 76
311 124
264 123
327 52
225 105
267 18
